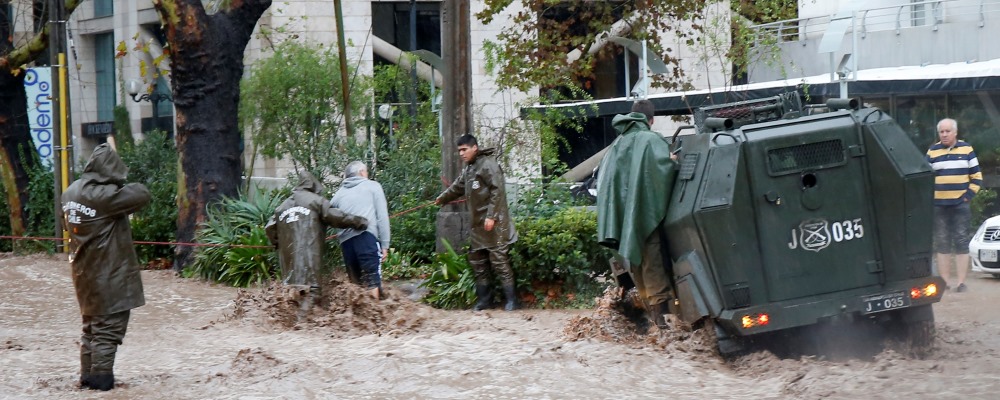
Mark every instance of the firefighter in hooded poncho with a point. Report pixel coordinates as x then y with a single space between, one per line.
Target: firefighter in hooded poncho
103 260
634 184
298 228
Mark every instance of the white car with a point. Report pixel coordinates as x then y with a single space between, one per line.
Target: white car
984 247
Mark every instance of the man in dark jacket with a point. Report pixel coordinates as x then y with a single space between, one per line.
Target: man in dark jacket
298 228
493 232
633 188
104 265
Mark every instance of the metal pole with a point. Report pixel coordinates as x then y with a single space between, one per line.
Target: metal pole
342 48
413 66
57 57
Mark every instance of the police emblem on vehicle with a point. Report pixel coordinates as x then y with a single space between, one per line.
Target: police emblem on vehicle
816 234
475 185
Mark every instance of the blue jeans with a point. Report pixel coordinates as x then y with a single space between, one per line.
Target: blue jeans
363 257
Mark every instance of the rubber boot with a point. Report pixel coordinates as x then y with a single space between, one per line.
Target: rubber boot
102 382
510 294
84 370
484 298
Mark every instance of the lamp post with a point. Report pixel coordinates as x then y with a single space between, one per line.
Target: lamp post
155 98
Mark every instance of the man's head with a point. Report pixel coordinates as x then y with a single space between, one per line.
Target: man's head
646 107
468 147
948 132
106 166
355 168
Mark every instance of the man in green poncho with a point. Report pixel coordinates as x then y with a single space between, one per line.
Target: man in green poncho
633 189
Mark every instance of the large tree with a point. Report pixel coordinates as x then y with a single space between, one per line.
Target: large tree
206 64
16 147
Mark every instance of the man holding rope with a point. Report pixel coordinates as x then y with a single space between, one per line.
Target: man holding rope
364 249
493 232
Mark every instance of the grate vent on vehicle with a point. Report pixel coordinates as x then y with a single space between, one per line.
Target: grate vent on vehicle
741 296
804 157
991 235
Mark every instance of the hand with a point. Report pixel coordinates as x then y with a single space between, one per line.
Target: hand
385 254
437 201
488 225
360 223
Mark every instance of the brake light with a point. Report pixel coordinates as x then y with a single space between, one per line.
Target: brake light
750 321
930 290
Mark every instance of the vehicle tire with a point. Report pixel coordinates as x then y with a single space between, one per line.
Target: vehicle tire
916 328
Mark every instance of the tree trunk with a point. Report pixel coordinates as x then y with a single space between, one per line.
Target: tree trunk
15 133
206 63
15 142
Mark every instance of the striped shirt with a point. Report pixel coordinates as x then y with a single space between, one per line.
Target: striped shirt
957 175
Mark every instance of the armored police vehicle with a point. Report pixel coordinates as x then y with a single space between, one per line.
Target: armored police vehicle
782 216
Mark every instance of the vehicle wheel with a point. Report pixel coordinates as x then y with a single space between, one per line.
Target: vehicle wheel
727 345
915 327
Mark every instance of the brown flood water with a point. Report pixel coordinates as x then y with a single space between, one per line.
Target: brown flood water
193 340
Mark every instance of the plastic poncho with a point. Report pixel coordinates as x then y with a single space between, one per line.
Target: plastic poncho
298 228
634 183
483 184
102 255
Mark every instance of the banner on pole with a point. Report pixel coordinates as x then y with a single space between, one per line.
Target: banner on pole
38 87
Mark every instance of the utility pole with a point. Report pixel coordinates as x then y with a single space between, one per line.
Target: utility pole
413 66
453 220
60 104
344 83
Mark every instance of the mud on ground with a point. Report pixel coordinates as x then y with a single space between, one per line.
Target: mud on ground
194 340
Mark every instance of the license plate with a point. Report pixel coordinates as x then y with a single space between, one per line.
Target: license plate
988 255
885 302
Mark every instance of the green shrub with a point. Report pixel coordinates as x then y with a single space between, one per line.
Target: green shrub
39 219
983 206
402 265
153 162
237 221
453 284
558 258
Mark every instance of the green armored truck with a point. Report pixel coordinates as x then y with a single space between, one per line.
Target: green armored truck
783 216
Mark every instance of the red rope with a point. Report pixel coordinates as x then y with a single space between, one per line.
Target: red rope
246 246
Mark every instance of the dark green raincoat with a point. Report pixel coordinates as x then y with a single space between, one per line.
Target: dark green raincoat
633 187
298 228
102 255
482 183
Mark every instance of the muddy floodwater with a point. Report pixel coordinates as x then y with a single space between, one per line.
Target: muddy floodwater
193 340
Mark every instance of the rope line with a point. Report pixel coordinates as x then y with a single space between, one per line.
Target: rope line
245 246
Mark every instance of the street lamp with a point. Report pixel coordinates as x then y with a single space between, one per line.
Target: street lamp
156 97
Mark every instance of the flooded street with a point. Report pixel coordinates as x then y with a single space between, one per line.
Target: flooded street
193 340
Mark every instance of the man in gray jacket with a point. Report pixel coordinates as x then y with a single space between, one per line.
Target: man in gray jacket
102 256
364 249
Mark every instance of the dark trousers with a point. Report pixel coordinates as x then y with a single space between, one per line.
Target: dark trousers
651 277
495 260
363 257
101 336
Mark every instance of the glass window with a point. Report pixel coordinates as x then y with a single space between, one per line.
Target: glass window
918 116
918 13
103 8
978 120
104 62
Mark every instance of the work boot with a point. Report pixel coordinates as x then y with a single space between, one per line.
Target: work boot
510 293
657 314
484 298
102 382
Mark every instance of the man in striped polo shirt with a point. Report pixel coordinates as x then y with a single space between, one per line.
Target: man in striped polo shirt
957 179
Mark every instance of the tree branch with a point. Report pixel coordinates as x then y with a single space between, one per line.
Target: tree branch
35 47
